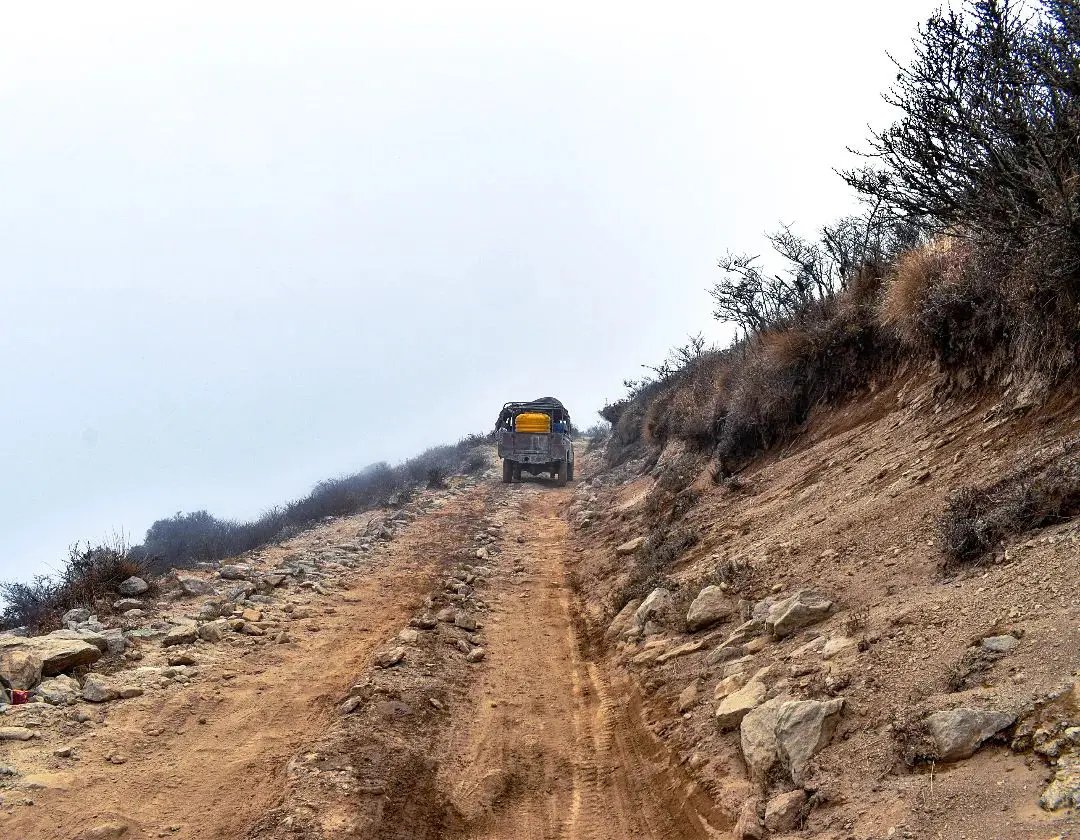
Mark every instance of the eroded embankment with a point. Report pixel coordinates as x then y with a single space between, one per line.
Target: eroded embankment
802 645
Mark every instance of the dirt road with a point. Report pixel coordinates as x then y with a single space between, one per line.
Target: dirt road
531 741
553 749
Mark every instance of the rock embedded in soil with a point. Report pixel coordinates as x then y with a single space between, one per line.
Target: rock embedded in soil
653 608
1000 644
193 586
475 655
629 547
623 620
784 812
106 831
711 606
748 826
97 689
122 605
803 729
801 609
389 658
133 586
1064 789
958 733
185 634
737 705
729 685
234 572
838 645
688 698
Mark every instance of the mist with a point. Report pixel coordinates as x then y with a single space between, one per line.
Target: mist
246 248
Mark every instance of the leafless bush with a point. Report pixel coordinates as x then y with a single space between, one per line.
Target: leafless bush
985 151
653 562
89 578
977 520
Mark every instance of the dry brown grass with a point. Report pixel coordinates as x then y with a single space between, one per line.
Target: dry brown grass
690 403
915 277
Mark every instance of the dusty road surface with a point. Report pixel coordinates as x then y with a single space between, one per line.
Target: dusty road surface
437 689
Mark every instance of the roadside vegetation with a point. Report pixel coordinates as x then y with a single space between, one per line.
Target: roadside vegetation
966 258
88 577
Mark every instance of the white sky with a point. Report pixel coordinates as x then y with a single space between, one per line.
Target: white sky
246 246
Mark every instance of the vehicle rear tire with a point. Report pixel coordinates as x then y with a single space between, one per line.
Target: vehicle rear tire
508 470
561 473
569 470
516 477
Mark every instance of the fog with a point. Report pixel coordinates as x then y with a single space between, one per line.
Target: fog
249 246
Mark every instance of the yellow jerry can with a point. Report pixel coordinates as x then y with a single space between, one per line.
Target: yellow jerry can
533 422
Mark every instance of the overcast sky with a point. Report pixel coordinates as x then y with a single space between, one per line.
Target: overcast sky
247 246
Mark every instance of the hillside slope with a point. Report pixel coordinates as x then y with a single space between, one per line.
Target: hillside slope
495 661
850 511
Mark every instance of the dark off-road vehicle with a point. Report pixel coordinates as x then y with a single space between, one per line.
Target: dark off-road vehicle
534 437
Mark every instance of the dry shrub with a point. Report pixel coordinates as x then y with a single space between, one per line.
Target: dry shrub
916 275
689 405
653 562
988 312
89 578
977 520
835 350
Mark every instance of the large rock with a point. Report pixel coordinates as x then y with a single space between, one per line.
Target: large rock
800 610
737 705
233 572
1000 644
16 733
185 634
630 546
784 812
133 586
193 586
20 667
803 729
57 654
653 608
959 733
710 607
97 689
89 636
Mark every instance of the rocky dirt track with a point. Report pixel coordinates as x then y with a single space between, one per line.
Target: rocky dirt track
425 683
